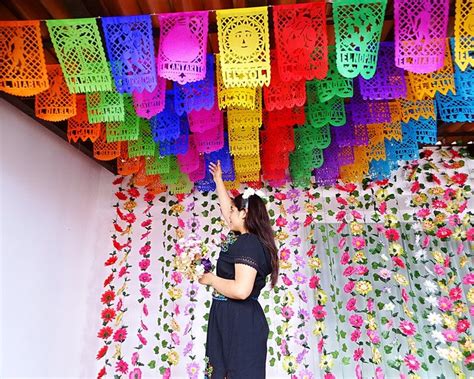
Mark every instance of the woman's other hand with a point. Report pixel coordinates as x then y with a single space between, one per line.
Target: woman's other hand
216 170
206 279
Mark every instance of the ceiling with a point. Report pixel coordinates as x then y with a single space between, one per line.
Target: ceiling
461 133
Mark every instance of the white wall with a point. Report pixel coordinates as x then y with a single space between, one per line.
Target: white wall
54 213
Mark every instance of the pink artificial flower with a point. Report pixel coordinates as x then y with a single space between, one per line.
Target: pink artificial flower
358 242
341 243
423 212
328 375
348 271
469 359
145 292
121 366
379 373
358 372
135 357
285 254
283 347
373 336
351 304
445 303
426 242
468 279
340 200
144 264
314 282
176 277
145 309
439 204
358 353
145 249
181 223
175 338
398 262
405 295
119 305
120 335
370 305
136 373
320 345
385 273
356 321
361 270
318 312
349 286
287 281
454 220
143 325
144 277
356 215
383 207
355 335
407 328
470 234
471 310
340 216
167 373
142 339
287 312
450 335
345 258
411 362
280 196
439 270
281 221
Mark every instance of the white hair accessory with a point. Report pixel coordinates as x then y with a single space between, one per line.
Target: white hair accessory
250 191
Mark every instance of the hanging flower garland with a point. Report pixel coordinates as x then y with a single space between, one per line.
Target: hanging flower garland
108 297
144 279
319 312
441 199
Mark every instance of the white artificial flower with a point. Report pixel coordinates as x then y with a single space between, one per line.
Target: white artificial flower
420 254
389 307
384 257
434 318
199 271
432 300
443 352
430 286
438 336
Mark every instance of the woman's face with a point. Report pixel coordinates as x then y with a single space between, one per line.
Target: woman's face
236 219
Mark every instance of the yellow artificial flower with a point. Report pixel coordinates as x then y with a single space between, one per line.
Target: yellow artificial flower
122 289
130 205
173 357
177 208
359 256
319 328
438 256
289 364
458 372
371 323
454 354
321 296
436 191
315 263
420 198
356 228
174 325
463 261
407 311
452 207
285 265
459 309
390 221
326 362
428 225
449 321
175 293
118 318
363 287
281 235
414 376
400 279
459 234
353 200
118 351
412 345
381 194
395 249
440 218
289 298
310 208
468 345
470 295
376 356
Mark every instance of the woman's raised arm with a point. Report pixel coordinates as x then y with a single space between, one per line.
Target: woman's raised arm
225 201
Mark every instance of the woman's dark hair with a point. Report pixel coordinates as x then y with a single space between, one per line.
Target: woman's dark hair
257 222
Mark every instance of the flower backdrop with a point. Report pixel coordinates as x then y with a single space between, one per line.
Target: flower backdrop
377 279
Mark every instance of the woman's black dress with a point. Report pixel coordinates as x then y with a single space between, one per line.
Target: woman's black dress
238 330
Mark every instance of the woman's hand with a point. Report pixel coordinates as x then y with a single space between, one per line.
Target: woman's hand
206 279
216 170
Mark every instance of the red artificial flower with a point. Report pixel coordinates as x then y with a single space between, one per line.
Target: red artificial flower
340 200
455 293
427 153
110 261
120 195
281 221
102 352
133 192
463 325
108 280
118 180
117 227
415 187
146 223
120 214
130 218
101 373
180 197
340 215
280 196
435 179
392 235
318 312
454 154
398 261
107 297
149 197
382 182
311 251
105 332
443 232
459 179
117 245
308 220
108 314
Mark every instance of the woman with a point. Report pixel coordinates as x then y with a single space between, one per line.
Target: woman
237 332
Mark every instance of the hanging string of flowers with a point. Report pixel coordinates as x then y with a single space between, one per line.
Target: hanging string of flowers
144 279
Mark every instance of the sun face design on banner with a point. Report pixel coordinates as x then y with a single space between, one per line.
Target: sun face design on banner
244 47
